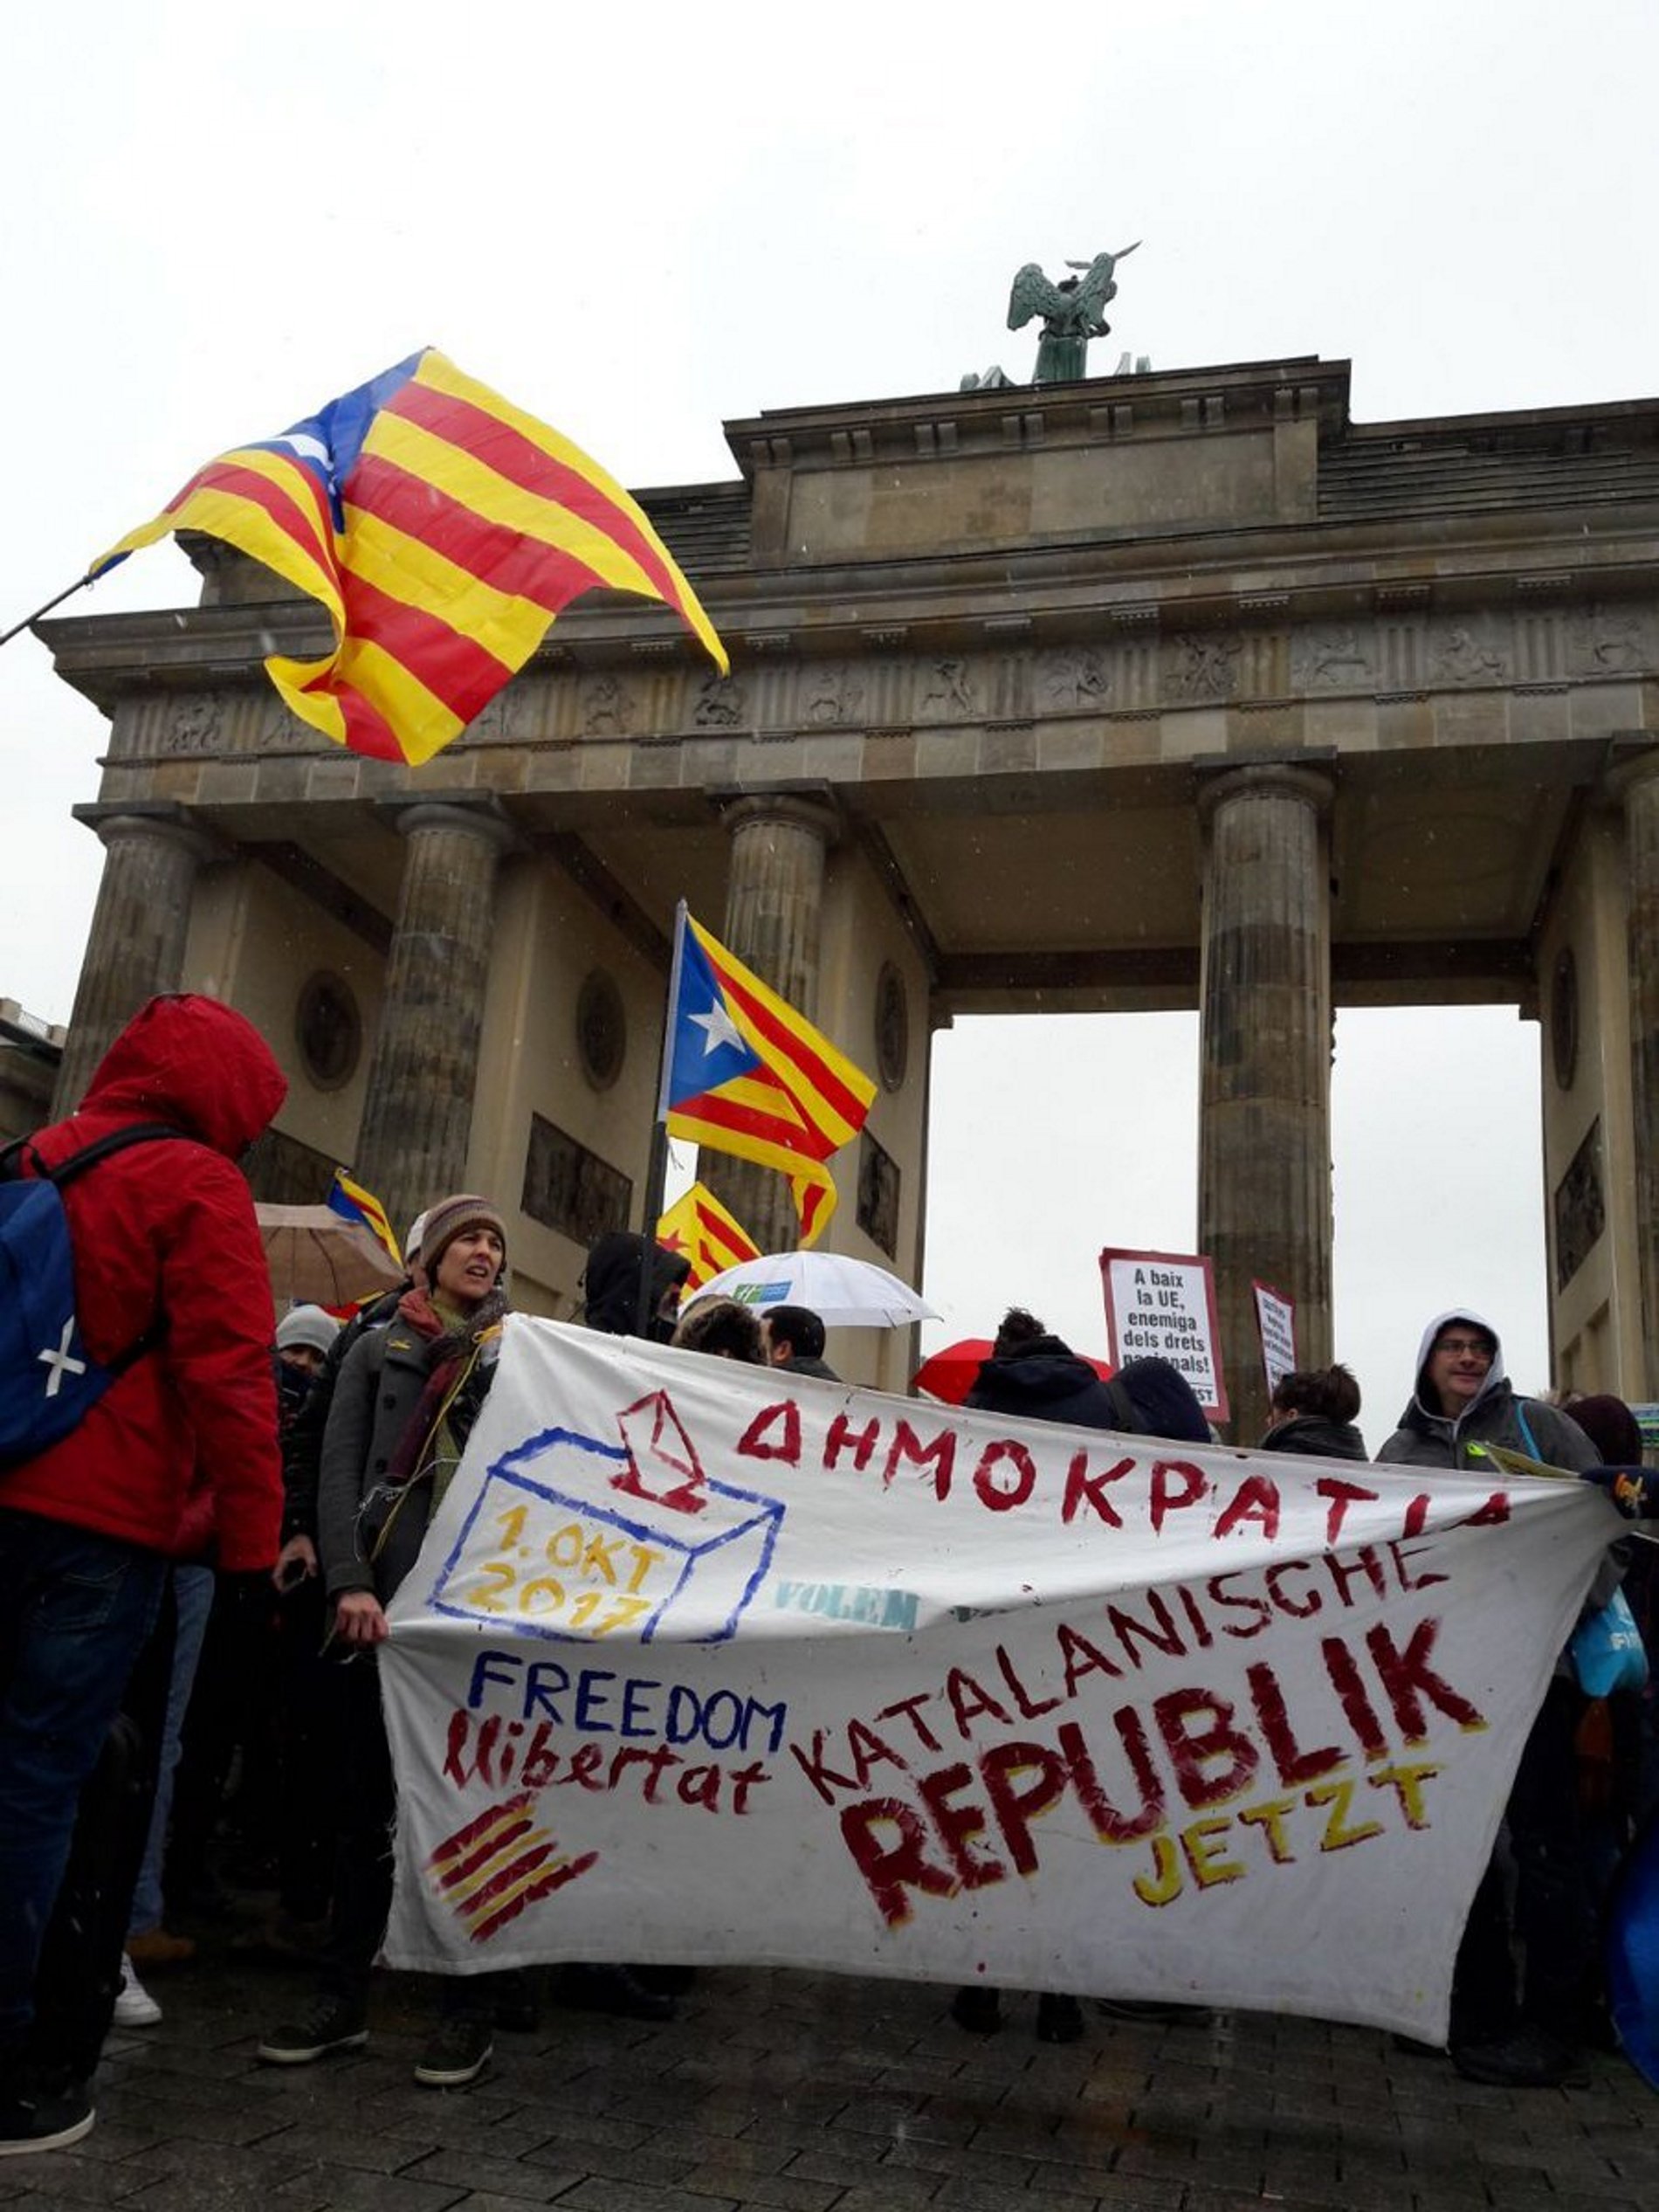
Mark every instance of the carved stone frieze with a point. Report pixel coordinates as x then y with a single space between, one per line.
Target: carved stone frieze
1201 665
1612 640
1075 678
719 704
505 719
605 708
1469 649
947 688
1334 657
831 694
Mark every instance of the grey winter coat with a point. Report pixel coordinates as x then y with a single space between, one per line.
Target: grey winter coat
1496 1415
376 1398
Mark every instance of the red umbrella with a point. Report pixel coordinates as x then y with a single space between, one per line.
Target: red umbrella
951 1373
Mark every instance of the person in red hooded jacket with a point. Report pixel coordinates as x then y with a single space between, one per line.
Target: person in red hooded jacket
164 1230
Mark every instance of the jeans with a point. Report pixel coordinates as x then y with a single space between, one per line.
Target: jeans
193 1597
75 1609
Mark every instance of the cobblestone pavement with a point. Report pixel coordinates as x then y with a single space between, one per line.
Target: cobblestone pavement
809 2093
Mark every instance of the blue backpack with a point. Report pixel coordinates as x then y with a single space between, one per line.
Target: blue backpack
49 1380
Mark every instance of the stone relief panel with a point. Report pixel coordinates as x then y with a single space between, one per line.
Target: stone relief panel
1078 678
1474 649
1580 1208
1201 665
1334 657
1612 640
830 695
506 719
605 708
946 689
718 704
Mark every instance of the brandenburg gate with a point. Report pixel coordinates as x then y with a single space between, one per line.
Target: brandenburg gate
1165 691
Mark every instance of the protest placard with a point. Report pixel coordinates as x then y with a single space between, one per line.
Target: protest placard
702 1664
1275 1330
1164 1304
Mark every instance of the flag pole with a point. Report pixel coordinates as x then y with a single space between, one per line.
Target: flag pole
657 1171
68 592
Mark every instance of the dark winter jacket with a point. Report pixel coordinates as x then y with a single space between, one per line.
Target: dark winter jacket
612 1283
167 1230
302 1444
1044 1380
1312 1434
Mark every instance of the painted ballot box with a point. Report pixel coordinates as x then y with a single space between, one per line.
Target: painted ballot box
573 1538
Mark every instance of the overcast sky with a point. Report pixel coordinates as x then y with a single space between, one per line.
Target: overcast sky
640 223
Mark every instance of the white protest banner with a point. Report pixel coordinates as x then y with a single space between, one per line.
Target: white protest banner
699 1663
1275 1327
1164 1304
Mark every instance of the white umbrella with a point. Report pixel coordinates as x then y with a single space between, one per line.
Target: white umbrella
844 1294
317 1257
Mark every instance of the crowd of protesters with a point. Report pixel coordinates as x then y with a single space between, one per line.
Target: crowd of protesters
162 1679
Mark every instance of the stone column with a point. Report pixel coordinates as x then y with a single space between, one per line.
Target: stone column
417 1114
774 904
1265 1109
1636 783
140 924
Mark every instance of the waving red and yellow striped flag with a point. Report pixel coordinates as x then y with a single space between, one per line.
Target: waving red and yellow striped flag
442 529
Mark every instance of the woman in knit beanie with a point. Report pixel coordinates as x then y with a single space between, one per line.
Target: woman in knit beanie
406 1399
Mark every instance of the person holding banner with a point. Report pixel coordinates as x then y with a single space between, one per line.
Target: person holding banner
403 1407
1463 1401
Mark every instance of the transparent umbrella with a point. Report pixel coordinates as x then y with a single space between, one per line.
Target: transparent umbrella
844 1294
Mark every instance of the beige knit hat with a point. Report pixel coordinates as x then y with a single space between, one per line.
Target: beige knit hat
449 1218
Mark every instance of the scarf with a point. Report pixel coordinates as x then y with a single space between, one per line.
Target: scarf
427 1444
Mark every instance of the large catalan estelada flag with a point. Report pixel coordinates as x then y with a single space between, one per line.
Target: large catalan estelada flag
707 1234
347 1198
744 1073
442 529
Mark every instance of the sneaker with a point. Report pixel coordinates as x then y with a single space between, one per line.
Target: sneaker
332 2023
159 1947
1529 2058
31 2120
1059 2019
976 2009
458 2052
135 2007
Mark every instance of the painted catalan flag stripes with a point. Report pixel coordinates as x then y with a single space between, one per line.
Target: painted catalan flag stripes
348 1199
705 1233
442 529
497 1864
744 1073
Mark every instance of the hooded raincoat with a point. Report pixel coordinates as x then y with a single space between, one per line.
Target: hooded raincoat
168 1228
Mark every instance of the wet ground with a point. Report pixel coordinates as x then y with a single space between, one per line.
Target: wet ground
811 2093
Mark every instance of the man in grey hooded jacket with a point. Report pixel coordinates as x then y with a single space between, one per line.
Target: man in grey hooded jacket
1463 1401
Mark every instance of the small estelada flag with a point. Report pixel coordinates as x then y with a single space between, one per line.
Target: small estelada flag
352 1202
744 1072
702 1231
